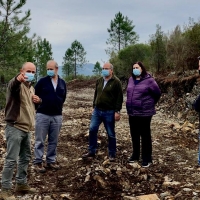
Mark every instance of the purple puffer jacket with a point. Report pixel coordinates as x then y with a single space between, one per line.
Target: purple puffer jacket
142 97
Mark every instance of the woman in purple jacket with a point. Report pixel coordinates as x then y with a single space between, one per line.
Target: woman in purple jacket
142 95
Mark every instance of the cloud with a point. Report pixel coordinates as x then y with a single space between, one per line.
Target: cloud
61 22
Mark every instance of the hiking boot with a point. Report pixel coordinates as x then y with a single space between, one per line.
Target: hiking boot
39 168
24 188
88 155
6 194
52 166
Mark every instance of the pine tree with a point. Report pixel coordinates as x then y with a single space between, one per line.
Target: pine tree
97 69
121 33
43 55
77 56
13 28
68 67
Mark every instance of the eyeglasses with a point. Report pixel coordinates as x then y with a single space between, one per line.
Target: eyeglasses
106 68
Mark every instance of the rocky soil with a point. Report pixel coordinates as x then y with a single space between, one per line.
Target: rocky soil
173 175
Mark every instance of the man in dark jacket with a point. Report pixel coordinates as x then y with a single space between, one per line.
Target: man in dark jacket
107 103
20 119
52 92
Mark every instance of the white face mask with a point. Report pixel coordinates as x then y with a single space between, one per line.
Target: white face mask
50 73
105 72
30 76
136 72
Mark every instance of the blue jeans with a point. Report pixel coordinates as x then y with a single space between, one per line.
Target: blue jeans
46 125
18 152
107 117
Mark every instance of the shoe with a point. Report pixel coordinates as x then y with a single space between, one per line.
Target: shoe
88 155
52 166
6 194
111 159
132 160
146 164
39 168
24 188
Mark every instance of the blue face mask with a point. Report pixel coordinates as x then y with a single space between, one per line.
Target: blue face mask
136 72
50 73
105 72
30 76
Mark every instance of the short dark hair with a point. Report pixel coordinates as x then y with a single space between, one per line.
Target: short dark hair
144 71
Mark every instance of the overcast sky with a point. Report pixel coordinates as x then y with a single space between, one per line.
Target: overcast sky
63 21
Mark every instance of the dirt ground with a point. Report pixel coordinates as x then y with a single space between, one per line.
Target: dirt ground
173 175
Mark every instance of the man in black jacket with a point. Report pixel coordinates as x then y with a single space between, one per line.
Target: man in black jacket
52 92
107 103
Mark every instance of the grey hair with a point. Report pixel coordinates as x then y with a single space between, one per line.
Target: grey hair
111 66
56 64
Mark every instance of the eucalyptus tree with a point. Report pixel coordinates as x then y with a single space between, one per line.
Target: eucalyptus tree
158 46
121 33
192 36
176 50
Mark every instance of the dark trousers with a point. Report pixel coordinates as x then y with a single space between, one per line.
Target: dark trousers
140 128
